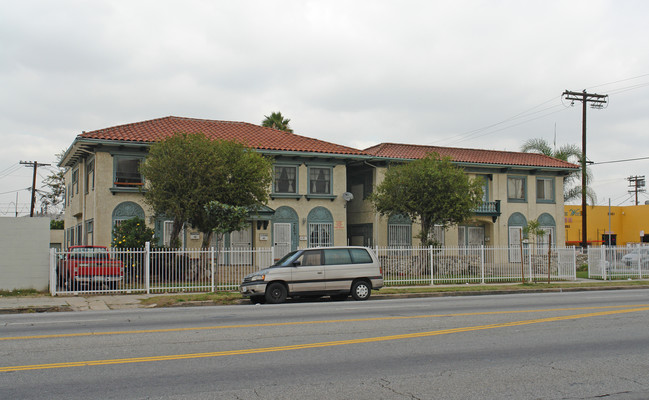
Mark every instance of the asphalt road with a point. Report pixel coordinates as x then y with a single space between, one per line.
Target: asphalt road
586 345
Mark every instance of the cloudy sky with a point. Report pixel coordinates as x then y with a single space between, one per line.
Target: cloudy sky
473 74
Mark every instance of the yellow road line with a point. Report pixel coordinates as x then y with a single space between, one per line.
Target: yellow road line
314 345
203 328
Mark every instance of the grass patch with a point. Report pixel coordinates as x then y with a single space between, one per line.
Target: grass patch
21 292
214 298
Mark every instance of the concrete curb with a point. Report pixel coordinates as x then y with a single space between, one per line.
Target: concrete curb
105 303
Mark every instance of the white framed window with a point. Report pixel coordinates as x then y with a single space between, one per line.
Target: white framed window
167 228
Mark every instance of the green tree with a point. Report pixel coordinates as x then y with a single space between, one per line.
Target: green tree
131 234
54 194
569 153
277 121
185 172
224 218
431 191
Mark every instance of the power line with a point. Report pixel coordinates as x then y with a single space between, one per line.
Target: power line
619 161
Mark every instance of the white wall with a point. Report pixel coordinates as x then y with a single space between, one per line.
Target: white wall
24 253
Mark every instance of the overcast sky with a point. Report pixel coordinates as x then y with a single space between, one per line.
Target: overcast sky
473 74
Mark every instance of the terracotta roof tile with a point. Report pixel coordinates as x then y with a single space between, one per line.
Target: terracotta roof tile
411 151
252 135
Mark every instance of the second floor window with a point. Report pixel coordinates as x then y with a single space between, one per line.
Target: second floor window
544 189
319 180
285 179
516 189
75 182
127 172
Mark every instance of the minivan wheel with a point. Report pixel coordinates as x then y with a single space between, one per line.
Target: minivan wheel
276 293
361 290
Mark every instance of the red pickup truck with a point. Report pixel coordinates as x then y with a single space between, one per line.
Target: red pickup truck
89 266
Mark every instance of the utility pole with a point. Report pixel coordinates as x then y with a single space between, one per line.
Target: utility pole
35 165
637 184
597 101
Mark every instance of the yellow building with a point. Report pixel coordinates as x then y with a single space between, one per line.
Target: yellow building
628 224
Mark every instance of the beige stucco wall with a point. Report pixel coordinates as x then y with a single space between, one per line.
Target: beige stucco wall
496 234
99 204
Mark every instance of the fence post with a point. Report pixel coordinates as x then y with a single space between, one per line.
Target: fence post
430 249
602 262
574 264
147 266
213 271
482 263
529 260
53 278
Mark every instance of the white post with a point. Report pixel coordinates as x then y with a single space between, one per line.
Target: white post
431 264
147 266
213 271
529 260
602 263
53 275
482 263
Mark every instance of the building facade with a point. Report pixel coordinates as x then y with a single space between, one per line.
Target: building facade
518 187
319 191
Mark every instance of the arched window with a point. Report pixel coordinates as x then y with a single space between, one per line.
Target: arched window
320 224
549 226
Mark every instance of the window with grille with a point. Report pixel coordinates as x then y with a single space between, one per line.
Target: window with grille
399 235
321 235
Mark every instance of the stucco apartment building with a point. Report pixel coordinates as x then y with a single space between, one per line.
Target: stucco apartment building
319 191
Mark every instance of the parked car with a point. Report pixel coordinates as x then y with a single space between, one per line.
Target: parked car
333 271
89 266
641 253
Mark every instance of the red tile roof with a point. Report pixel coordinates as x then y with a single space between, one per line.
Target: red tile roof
252 135
411 151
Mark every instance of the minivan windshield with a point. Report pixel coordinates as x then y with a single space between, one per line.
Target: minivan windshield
286 260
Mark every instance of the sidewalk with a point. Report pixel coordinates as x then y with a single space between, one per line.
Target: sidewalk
45 303
19 304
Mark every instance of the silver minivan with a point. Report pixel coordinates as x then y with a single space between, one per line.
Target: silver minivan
333 271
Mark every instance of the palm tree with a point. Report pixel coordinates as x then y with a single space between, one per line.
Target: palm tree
569 153
277 121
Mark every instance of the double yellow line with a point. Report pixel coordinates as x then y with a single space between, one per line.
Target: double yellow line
331 321
321 344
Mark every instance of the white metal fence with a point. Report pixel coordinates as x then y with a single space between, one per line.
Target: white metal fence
444 265
203 270
618 262
156 270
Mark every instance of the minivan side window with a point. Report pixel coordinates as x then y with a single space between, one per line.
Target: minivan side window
360 256
337 256
310 258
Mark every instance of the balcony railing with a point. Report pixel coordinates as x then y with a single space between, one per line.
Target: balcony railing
489 209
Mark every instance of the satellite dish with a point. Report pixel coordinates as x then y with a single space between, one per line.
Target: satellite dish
347 196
